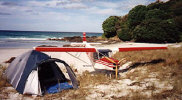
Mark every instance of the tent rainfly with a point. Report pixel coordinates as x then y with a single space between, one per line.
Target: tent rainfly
34 72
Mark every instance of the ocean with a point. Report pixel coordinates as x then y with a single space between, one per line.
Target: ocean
30 39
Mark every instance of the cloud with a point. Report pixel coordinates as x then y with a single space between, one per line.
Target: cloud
129 4
71 5
3 13
102 11
81 0
65 4
9 4
106 4
13 7
117 7
28 10
75 0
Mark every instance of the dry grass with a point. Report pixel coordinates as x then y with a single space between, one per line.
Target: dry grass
3 81
168 70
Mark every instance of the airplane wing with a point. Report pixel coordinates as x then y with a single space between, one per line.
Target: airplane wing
79 49
64 49
139 48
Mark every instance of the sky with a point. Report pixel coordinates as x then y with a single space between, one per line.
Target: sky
62 15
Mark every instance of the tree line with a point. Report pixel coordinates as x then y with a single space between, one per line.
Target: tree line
159 22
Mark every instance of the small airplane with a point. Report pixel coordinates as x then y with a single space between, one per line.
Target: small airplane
85 57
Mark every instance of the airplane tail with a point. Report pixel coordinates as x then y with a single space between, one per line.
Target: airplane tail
84 37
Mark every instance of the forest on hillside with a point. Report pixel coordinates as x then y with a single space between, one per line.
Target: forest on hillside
159 22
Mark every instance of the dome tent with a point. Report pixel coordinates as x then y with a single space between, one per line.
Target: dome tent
33 72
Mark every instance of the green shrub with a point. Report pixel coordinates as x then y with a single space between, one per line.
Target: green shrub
177 8
178 21
156 14
155 5
109 26
124 34
156 31
136 15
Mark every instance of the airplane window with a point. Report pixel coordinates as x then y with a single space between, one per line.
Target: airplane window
95 55
103 54
100 55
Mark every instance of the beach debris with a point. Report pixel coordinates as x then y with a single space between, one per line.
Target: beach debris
10 60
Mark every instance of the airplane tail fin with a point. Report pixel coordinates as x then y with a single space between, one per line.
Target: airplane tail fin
84 37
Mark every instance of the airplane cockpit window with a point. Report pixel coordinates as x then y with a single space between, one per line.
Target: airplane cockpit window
101 53
95 55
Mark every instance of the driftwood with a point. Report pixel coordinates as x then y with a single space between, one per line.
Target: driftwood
10 60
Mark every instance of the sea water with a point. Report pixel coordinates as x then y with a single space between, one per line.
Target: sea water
30 39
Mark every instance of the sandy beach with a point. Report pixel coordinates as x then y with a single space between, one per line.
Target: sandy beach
7 53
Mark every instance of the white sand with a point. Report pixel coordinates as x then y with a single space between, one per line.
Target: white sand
6 54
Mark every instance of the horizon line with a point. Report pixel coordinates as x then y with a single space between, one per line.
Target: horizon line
49 31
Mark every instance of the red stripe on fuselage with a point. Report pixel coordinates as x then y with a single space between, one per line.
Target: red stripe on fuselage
140 48
63 49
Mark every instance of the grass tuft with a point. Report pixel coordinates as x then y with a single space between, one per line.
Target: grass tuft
3 81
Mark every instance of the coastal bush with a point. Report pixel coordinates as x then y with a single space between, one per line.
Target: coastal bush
156 5
178 21
176 7
136 15
124 34
156 14
156 31
109 26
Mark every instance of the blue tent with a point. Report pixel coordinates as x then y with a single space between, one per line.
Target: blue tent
35 73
